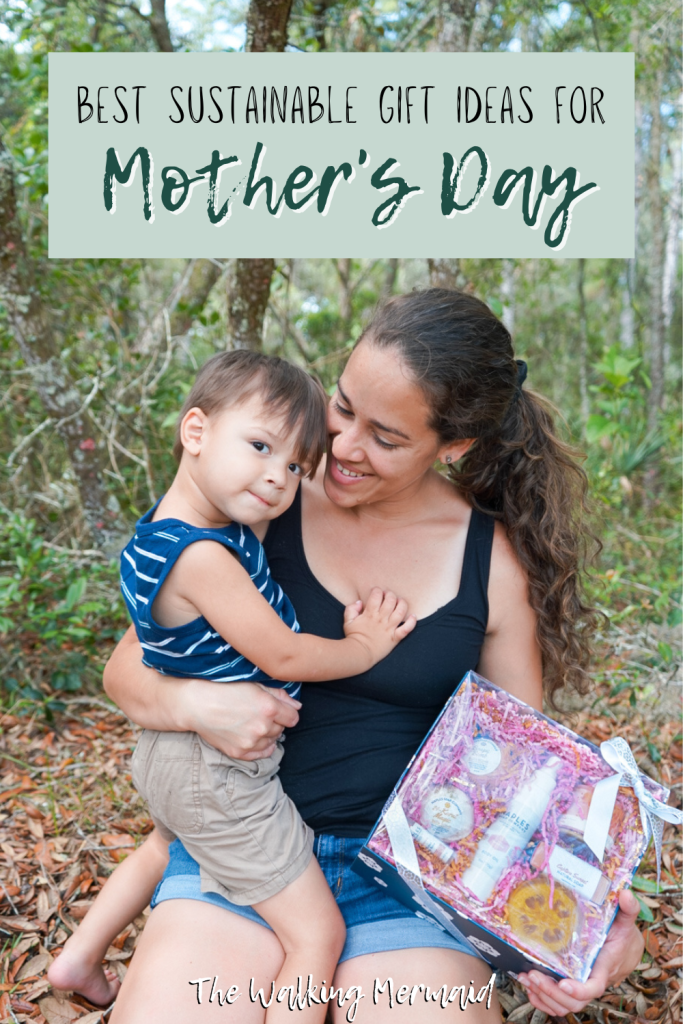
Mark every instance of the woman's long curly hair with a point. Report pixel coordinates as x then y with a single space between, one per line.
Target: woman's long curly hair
518 470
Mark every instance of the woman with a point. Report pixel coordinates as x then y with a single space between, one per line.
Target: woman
488 561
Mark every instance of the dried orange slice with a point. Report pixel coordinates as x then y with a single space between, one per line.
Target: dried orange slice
535 922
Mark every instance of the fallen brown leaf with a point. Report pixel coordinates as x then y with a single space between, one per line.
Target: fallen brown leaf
651 943
17 923
116 840
46 905
43 853
25 944
35 966
42 986
79 908
57 1011
21 1006
17 965
116 954
521 1012
36 828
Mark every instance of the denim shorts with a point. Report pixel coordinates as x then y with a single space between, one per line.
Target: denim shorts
375 922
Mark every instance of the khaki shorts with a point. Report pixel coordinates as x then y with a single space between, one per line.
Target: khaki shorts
232 816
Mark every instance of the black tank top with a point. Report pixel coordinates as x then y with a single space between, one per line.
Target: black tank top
356 735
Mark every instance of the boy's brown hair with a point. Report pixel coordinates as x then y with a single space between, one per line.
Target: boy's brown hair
231 378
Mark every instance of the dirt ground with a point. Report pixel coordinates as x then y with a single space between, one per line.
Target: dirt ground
68 814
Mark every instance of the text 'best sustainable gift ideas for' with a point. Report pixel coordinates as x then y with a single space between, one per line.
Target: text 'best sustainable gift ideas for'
515 834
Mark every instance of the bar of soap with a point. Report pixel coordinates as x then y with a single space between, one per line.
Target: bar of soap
448 813
535 922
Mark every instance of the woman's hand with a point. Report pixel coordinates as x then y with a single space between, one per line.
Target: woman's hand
243 720
622 952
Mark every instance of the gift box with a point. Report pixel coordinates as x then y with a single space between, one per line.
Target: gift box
514 834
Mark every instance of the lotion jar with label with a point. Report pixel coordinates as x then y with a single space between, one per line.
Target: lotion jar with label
448 813
483 758
488 761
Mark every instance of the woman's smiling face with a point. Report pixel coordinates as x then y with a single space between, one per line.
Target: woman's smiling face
380 444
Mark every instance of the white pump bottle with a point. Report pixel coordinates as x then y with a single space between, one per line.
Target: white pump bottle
503 842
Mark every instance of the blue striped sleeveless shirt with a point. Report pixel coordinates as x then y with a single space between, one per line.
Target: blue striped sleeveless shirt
194 650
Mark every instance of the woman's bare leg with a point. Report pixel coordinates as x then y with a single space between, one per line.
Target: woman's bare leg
410 968
309 925
125 895
188 940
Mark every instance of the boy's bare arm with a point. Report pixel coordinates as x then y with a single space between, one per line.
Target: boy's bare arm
243 720
215 583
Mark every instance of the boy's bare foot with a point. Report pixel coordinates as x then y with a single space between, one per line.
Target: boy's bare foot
70 972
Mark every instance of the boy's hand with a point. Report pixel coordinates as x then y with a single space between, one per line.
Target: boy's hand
380 625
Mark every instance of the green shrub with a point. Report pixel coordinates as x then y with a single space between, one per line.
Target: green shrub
60 612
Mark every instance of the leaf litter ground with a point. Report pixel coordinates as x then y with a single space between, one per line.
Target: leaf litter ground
68 814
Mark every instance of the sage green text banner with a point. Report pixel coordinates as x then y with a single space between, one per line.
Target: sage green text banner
319 155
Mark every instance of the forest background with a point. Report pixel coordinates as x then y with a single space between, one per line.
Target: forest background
96 357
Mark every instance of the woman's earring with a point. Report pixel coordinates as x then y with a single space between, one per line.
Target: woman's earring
448 459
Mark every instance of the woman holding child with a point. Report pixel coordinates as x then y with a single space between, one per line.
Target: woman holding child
487 558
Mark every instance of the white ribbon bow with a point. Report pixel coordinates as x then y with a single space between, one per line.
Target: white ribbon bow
405 856
619 756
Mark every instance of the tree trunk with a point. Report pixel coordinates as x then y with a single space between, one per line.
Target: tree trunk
247 300
31 324
672 240
508 292
267 25
480 22
345 308
583 344
446 274
389 283
185 302
158 24
627 319
639 163
320 9
249 282
656 262
656 268
188 297
627 330
463 25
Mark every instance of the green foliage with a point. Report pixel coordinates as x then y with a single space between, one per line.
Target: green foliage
645 912
614 395
618 433
59 613
621 424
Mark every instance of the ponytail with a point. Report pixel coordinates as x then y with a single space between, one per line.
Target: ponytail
518 470
530 480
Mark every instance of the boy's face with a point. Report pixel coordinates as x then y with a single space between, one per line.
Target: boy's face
242 461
